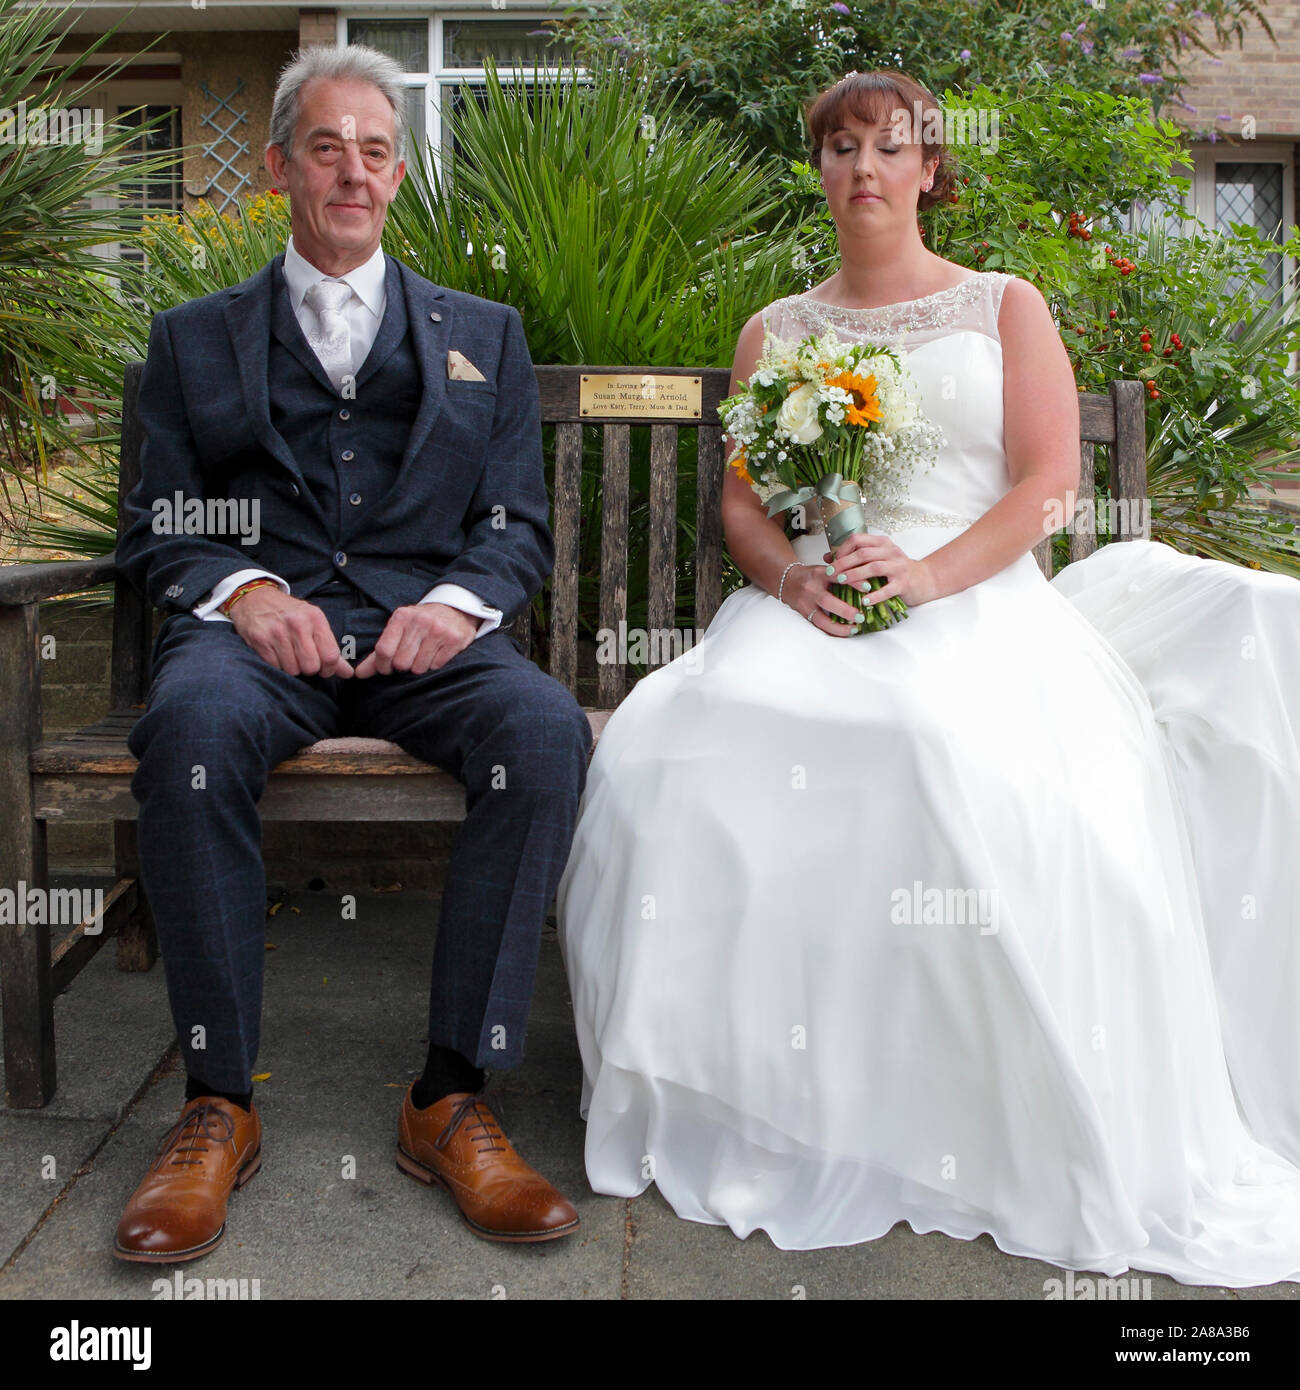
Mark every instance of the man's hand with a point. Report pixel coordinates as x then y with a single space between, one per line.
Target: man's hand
288 633
418 638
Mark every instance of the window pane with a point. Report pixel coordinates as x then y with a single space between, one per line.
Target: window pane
415 126
466 42
405 40
161 189
454 96
1252 193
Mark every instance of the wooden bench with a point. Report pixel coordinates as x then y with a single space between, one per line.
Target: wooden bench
86 777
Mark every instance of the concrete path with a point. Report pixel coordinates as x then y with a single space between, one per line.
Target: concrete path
343 1036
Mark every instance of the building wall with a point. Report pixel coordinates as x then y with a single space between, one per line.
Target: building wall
1259 79
221 61
317 27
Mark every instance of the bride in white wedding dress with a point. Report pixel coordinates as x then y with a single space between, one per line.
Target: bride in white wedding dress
988 922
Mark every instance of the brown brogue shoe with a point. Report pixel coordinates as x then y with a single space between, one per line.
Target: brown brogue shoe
458 1143
179 1211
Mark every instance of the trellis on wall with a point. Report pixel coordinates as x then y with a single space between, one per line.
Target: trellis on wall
225 146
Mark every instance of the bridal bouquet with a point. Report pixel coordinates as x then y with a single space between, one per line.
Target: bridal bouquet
833 424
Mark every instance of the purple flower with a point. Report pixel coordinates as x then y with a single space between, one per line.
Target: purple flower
1087 45
1132 52
841 8
1214 135
1186 107
1066 35
1081 26
1150 79
1223 116
964 55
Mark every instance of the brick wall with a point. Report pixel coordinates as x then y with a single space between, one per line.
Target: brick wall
1259 79
317 28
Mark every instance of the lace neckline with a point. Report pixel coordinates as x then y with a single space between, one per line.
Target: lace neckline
898 303
927 311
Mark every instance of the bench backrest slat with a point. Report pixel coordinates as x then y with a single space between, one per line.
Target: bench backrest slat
613 556
563 632
661 606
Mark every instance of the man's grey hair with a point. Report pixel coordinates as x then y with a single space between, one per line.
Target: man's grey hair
355 62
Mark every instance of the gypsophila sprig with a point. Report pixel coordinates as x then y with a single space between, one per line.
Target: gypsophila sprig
835 424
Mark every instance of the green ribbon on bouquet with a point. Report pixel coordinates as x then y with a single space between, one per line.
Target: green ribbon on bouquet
833 488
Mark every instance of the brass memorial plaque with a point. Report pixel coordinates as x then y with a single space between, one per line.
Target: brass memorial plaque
640 395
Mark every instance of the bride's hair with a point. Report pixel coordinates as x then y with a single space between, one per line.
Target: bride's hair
875 96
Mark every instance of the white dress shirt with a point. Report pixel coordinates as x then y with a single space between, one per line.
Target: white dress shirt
364 312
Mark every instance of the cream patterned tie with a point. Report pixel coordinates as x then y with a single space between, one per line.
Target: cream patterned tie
333 343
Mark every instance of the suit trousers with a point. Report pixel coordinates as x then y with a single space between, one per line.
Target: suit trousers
219 718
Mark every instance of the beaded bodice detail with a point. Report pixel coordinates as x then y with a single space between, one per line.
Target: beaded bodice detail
945 309
949 342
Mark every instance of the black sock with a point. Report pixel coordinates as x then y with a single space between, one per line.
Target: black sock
445 1072
195 1088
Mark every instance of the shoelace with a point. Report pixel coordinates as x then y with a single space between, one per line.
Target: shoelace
483 1120
192 1127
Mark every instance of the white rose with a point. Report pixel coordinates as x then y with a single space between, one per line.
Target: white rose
798 415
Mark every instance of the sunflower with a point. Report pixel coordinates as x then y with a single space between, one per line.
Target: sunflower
866 404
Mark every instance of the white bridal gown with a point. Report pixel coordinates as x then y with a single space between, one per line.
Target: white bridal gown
986 923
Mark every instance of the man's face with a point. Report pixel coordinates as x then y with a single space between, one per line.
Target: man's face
342 173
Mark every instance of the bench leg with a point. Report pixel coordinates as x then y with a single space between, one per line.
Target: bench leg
24 949
137 943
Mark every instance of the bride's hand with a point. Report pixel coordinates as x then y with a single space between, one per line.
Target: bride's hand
808 591
861 558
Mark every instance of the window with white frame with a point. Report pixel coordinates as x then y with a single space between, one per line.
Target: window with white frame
1252 183
443 58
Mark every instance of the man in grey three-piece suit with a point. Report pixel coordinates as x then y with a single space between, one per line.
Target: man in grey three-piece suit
385 432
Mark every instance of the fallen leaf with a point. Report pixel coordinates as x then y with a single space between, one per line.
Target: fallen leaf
262 1076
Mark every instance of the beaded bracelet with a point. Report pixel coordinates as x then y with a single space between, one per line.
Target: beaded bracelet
784 572
242 590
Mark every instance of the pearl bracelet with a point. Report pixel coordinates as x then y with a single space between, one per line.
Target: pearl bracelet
784 572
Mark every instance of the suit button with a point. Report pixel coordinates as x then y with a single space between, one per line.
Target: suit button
340 558
345 414
174 591
347 455
355 499
293 487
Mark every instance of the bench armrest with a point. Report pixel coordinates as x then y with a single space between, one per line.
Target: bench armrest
21 584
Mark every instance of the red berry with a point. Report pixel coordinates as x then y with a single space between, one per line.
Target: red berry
1079 331
1114 313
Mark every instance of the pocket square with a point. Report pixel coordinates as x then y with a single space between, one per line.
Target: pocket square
460 368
